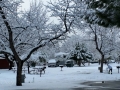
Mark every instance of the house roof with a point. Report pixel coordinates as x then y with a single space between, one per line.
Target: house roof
61 53
52 61
2 56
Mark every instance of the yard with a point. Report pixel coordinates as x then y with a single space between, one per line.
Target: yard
54 78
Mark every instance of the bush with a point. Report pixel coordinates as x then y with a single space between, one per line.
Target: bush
33 64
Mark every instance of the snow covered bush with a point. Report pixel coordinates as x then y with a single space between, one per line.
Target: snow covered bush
80 54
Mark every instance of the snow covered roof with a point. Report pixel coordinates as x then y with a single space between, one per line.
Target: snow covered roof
52 61
1 56
61 53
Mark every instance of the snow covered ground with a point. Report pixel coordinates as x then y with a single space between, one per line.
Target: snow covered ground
55 78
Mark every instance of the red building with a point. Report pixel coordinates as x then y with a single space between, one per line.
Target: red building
4 64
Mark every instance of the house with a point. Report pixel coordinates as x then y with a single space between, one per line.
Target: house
4 64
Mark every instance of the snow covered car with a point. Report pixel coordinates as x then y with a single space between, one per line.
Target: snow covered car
52 63
111 61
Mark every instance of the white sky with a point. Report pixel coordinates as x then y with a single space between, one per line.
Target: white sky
56 79
26 6
26 3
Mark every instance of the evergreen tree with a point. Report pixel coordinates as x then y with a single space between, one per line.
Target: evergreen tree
80 54
103 12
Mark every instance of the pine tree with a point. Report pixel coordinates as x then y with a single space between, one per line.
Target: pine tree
80 54
103 12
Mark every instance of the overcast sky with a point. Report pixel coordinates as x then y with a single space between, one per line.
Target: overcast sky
26 6
26 3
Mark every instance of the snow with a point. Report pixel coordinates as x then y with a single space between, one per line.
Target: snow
52 61
1 57
61 54
54 78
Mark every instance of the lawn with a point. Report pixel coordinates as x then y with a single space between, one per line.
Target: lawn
54 78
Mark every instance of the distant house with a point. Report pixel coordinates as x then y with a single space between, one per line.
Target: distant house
4 64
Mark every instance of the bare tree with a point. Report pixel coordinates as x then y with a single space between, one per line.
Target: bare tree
23 33
104 43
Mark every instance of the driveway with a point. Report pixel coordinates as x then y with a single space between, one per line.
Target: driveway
101 85
92 85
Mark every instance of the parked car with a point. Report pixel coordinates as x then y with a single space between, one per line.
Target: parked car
52 63
69 63
111 61
94 61
60 63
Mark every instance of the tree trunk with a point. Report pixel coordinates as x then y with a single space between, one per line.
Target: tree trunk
83 63
99 62
11 64
28 65
79 62
102 60
19 74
